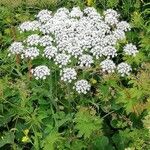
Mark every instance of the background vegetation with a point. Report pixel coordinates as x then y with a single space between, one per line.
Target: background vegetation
116 115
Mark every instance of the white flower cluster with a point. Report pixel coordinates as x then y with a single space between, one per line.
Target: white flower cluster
33 40
45 40
75 37
76 13
111 17
85 60
40 72
44 16
29 26
68 74
108 65
119 34
16 48
123 25
109 51
82 86
124 69
97 51
62 59
30 53
130 49
50 52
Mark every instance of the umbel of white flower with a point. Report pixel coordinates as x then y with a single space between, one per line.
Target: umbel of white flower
68 74
75 38
29 26
50 52
82 86
30 52
41 72
16 48
108 65
85 60
46 40
62 59
124 69
130 49
33 40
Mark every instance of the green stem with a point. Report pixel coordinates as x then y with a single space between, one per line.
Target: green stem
51 87
55 121
56 83
69 97
36 139
29 69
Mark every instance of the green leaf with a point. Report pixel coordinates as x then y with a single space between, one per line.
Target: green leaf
121 139
6 138
87 122
129 98
138 59
50 140
102 143
112 3
6 117
146 121
137 20
78 145
62 118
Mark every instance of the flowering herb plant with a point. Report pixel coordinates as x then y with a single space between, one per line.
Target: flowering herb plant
76 39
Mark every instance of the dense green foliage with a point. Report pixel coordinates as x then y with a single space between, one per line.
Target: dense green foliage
42 115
